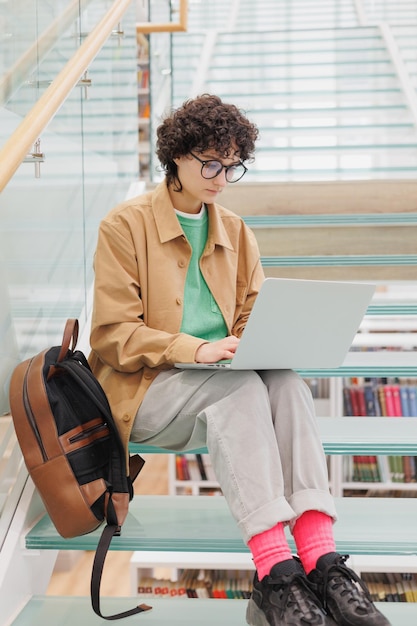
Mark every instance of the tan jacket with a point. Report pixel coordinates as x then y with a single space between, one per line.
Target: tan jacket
141 265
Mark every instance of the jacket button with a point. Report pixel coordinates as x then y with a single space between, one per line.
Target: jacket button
181 263
126 417
178 301
147 375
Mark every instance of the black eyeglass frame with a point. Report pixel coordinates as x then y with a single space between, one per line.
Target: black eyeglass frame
221 168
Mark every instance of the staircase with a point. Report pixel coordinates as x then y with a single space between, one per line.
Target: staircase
310 77
331 85
167 524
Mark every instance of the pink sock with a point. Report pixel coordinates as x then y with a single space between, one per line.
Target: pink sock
269 548
313 536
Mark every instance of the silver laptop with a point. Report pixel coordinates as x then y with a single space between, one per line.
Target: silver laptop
299 324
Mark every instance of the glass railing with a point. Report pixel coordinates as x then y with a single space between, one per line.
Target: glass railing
160 57
48 224
13 475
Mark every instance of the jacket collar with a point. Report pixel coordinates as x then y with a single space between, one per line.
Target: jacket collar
169 227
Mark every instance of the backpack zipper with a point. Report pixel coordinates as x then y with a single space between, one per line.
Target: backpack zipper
90 431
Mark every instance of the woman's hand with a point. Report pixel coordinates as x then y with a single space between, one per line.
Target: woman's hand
217 350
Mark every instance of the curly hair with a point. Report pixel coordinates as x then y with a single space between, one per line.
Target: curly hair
203 123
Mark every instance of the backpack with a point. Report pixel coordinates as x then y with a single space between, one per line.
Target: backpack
72 448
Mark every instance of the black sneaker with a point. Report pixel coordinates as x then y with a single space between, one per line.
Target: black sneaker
343 594
284 598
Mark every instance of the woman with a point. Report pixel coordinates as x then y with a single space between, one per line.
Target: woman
176 278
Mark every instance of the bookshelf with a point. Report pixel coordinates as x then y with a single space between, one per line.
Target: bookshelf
347 473
192 474
150 572
389 580
386 398
389 397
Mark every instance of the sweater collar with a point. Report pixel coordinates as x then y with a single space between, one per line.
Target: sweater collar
169 227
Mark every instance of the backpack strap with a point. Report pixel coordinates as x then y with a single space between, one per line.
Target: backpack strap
136 462
107 535
69 338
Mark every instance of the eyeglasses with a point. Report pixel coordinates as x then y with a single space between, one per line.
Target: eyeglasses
212 168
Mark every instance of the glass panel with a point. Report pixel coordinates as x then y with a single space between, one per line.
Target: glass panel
49 224
187 49
13 474
109 132
38 42
160 74
41 241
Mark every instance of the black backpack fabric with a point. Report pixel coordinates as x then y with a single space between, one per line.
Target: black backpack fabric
72 448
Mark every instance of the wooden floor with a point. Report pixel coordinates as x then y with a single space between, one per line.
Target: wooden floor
72 573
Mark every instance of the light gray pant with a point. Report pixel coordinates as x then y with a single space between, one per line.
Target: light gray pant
261 434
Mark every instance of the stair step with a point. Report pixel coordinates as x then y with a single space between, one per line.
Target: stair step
204 524
67 611
347 435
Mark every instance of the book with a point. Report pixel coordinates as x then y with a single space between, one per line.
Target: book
412 399
185 470
208 466
370 400
389 400
193 469
408 589
201 467
407 469
384 468
381 398
360 392
396 400
347 403
181 465
355 400
405 402
178 467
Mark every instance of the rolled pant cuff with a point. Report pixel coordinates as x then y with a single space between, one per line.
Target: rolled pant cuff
312 500
265 517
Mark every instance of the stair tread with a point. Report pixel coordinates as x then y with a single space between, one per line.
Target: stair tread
67 611
204 524
348 435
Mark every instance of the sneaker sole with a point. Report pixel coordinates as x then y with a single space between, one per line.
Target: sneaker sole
254 615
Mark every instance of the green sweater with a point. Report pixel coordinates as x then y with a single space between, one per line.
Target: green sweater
202 316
